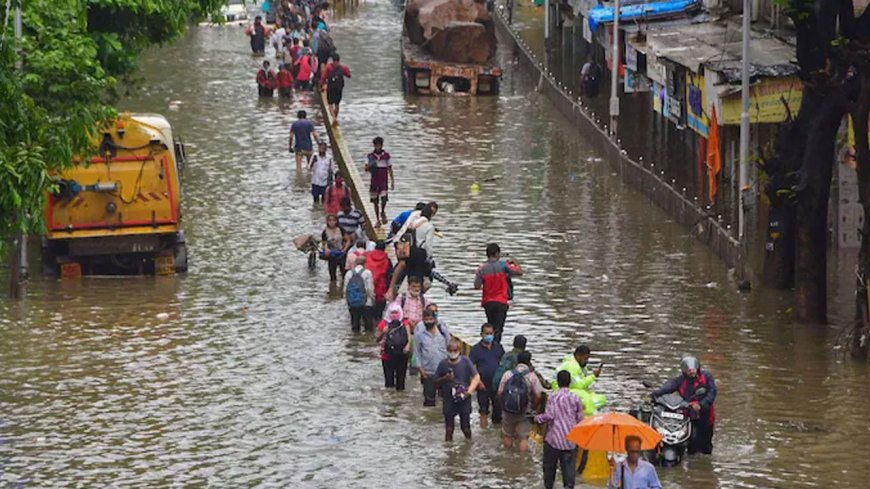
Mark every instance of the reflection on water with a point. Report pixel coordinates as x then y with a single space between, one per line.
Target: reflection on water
244 372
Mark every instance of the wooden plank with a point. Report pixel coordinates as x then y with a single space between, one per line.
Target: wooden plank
352 176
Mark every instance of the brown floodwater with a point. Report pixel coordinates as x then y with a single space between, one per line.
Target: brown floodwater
244 372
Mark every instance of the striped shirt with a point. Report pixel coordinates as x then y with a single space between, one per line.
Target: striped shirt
349 222
564 411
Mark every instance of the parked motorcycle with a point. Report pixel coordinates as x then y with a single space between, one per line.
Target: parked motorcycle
671 417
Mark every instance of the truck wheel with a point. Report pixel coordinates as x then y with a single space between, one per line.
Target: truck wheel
180 258
180 249
49 262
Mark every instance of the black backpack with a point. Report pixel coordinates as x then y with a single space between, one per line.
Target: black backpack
325 44
515 397
397 338
335 80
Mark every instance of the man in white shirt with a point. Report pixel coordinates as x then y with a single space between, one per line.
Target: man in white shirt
278 40
321 168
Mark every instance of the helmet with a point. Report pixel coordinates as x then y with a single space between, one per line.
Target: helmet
689 362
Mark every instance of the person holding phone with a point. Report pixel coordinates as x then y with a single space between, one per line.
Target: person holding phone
582 379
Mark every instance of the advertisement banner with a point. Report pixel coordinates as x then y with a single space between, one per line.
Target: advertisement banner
696 116
657 101
767 101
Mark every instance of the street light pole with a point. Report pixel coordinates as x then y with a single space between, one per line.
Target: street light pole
546 24
744 126
614 75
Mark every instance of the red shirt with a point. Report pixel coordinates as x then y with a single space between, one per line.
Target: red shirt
304 64
285 79
294 51
324 75
492 276
378 263
334 194
265 80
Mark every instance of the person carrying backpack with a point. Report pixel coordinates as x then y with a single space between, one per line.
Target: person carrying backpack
394 336
519 392
359 291
332 77
590 74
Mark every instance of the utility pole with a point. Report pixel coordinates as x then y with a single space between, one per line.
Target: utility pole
546 24
18 274
744 128
614 75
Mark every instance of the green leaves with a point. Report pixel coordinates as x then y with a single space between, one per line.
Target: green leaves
71 55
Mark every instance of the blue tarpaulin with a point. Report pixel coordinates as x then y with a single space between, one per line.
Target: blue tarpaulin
664 8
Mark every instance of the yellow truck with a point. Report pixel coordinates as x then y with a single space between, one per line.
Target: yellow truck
119 212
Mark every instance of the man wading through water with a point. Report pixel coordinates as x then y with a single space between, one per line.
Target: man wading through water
494 277
458 379
380 167
332 76
485 356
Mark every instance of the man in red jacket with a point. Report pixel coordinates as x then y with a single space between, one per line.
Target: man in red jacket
266 80
379 264
285 82
494 277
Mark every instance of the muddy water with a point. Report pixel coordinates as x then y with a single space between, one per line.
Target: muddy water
244 372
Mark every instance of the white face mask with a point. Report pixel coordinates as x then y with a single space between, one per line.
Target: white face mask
453 355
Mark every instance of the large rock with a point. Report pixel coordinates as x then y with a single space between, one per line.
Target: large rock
453 30
463 42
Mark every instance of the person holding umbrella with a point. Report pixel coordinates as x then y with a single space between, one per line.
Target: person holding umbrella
611 432
633 473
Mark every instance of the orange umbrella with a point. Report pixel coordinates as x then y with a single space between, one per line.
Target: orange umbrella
607 431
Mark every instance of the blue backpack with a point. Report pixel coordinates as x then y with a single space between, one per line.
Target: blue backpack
355 291
515 398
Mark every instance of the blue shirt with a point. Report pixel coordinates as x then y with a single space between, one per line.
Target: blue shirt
302 130
486 360
644 476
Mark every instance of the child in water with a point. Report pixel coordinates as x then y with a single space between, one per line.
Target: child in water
332 247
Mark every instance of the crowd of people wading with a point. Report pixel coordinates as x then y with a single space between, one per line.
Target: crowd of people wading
390 299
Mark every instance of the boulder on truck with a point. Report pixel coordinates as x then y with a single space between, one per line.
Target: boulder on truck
119 212
448 46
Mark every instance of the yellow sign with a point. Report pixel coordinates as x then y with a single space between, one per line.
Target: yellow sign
765 101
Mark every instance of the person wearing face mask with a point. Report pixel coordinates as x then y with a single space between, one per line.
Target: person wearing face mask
701 409
430 348
485 356
413 302
582 379
458 379
394 336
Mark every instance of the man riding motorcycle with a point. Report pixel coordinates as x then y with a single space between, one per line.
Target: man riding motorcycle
701 410
582 379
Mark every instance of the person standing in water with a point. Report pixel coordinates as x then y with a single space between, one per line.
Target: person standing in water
380 167
458 380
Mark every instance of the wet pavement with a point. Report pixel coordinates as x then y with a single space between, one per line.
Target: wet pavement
244 372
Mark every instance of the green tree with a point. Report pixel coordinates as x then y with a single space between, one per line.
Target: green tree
57 84
833 52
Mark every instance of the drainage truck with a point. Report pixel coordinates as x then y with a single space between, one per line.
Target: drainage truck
119 212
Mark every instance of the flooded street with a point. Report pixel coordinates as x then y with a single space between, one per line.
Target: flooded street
245 373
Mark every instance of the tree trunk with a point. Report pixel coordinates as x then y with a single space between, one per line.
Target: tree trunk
860 114
15 268
779 246
824 114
